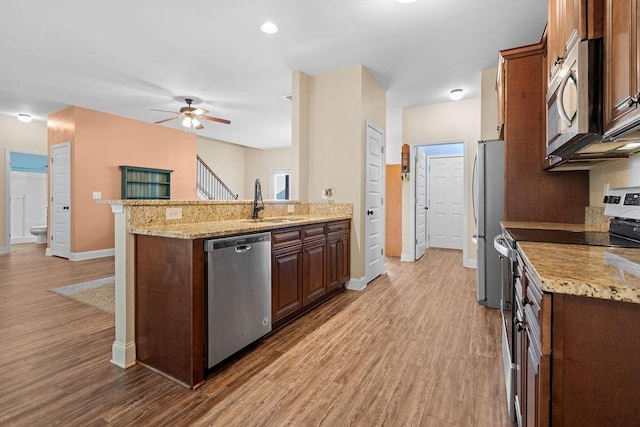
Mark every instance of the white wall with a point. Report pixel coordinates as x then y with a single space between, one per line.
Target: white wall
227 161
28 204
258 164
438 123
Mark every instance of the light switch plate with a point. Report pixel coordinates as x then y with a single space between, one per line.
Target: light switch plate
97 195
174 213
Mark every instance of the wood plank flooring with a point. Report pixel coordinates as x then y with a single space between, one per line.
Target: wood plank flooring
413 349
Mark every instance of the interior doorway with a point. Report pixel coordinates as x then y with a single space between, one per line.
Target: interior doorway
445 200
26 195
421 229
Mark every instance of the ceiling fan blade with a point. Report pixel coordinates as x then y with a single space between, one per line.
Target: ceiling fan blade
215 119
166 120
199 126
164 111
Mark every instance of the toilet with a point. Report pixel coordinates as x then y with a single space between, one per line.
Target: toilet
40 231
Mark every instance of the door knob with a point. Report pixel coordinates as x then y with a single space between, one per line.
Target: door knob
369 212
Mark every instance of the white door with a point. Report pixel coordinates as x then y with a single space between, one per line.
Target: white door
61 200
374 226
421 200
445 201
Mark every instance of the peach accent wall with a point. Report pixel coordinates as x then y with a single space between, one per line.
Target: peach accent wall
100 143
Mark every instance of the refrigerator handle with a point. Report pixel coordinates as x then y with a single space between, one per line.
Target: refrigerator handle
473 189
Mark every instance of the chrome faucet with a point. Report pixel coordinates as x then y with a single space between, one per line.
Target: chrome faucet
258 203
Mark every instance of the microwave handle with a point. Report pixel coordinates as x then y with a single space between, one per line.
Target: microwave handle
563 85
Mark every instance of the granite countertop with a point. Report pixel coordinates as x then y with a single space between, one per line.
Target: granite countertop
546 226
205 230
591 271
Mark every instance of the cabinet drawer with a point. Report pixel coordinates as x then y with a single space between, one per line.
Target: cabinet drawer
287 237
338 226
313 232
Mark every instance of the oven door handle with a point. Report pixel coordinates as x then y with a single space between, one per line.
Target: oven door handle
501 246
560 97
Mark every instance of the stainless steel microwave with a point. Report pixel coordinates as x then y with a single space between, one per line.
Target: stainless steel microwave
574 101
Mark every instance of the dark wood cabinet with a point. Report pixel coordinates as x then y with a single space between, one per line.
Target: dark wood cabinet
621 68
576 358
310 264
532 194
286 284
314 278
170 307
570 21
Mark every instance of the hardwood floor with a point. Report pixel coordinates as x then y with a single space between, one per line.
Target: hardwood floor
413 348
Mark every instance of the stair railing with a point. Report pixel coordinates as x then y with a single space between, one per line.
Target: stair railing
210 185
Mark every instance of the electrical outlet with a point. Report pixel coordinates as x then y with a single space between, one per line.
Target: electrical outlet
291 208
97 195
327 194
174 213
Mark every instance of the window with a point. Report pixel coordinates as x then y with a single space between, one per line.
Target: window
280 188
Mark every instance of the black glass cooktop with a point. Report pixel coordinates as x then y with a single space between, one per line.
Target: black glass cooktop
590 238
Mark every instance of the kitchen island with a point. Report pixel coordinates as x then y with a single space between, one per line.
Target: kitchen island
160 261
575 331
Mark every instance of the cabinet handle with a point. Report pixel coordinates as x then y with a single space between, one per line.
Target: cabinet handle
526 301
558 60
520 325
634 100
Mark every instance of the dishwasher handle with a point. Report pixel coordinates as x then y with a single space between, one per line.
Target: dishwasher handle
243 248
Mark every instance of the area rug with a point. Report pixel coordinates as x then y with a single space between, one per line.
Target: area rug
99 293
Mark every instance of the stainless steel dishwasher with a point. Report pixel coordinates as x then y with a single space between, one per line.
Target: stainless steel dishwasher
239 293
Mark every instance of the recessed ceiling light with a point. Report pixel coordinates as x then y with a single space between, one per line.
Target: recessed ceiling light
456 94
24 118
269 28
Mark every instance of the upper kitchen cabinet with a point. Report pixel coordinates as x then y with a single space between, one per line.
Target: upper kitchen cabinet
568 22
621 69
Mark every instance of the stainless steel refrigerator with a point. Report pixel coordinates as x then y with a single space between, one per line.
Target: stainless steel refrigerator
488 210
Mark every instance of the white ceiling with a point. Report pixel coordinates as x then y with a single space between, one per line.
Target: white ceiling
125 57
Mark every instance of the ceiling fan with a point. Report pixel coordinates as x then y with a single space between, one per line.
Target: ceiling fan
191 116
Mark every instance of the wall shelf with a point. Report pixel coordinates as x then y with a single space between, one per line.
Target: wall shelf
145 183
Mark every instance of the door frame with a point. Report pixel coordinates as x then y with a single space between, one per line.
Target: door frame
411 256
414 205
7 192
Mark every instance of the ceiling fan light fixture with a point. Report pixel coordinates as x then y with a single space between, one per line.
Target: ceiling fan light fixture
186 122
25 118
456 94
194 122
269 28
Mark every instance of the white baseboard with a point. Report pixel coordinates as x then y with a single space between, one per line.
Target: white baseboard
123 355
81 256
4 250
470 263
406 257
356 284
23 239
47 252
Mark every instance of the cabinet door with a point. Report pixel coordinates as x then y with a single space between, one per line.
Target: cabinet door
620 67
314 277
344 259
530 416
332 275
286 281
555 45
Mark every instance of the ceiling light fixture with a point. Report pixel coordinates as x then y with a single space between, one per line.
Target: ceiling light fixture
24 118
456 94
186 122
269 28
